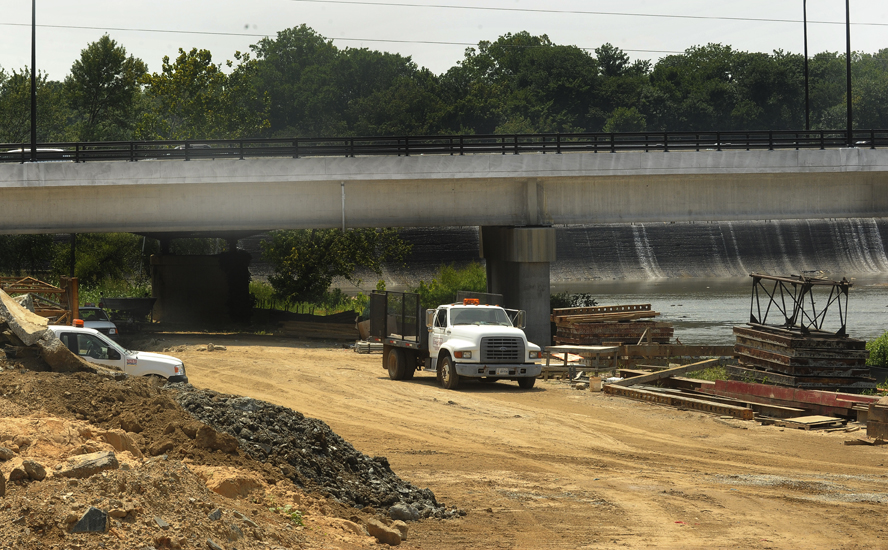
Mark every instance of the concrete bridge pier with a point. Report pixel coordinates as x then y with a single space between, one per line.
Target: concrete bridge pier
518 261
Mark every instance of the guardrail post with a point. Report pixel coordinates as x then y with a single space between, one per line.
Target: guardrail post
187 151
558 144
821 140
613 144
544 145
406 146
697 138
516 144
665 142
461 152
872 138
450 140
718 141
771 141
503 144
132 151
77 153
240 149
351 148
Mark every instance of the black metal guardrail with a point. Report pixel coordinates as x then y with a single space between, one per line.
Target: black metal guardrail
505 144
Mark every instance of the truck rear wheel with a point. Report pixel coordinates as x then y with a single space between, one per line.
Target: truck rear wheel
447 376
409 365
526 383
395 363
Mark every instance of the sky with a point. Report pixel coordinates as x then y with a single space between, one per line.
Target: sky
434 33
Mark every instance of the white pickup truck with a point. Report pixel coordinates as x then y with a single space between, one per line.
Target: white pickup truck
465 340
93 346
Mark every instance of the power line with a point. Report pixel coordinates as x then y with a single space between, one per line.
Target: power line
254 35
581 12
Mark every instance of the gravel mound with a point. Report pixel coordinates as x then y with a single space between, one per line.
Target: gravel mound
309 453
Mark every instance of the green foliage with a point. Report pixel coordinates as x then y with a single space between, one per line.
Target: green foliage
192 98
116 288
15 108
305 262
288 510
712 373
25 254
878 349
566 299
103 89
104 256
625 120
443 288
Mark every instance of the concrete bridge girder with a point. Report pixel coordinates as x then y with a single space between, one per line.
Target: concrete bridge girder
473 190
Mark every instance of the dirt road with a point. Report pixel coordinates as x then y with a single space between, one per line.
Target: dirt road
554 467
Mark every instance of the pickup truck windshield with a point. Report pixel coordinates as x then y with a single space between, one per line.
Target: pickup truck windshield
479 316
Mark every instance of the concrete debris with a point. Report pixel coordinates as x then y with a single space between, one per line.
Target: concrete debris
215 515
87 465
383 533
26 301
35 470
6 454
93 521
404 512
401 527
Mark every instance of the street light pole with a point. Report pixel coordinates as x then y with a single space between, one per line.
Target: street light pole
807 96
33 80
848 70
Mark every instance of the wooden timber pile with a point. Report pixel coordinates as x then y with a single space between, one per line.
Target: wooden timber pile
603 325
816 360
339 326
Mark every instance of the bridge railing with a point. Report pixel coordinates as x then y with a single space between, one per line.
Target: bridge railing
503 144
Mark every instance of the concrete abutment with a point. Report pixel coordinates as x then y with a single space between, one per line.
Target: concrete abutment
518 260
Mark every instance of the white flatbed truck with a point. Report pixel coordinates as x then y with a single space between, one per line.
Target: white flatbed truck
472 339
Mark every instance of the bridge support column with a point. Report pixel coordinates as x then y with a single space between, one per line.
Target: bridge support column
518 261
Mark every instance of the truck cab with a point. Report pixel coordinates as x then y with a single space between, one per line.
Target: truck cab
485 342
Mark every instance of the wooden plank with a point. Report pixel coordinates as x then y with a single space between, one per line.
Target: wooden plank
653 377
665 398
600 309
671 350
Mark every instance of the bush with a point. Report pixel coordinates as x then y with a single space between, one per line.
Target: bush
111 288
566 299
878 349
712 374
443 288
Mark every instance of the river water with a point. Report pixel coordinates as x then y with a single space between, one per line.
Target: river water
704 310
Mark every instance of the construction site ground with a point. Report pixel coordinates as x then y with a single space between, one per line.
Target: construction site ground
555 467
550 467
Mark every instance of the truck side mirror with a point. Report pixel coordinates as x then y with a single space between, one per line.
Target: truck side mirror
520 320
430 318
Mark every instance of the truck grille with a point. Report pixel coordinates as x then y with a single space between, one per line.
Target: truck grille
502 350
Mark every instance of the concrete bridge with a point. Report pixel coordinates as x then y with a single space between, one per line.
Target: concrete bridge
514 198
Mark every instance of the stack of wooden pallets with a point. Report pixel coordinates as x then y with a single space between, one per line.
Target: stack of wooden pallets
602 325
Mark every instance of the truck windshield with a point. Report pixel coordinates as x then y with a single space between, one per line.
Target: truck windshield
479 316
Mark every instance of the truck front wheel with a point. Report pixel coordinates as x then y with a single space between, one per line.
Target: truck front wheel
447 376
395 363
526 383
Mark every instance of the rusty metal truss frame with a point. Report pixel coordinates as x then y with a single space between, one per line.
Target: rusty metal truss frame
793 299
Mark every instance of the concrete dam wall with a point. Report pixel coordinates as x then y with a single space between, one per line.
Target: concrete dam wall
833 248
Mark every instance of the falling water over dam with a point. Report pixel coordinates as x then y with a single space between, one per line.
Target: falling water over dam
625 252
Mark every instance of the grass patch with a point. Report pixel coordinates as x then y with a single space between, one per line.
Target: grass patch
712 374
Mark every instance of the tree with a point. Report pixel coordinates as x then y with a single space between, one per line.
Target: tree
103 89
192 98
625 120
102 256
306 261
20 254
15 108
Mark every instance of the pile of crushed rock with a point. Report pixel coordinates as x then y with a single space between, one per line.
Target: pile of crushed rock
309 453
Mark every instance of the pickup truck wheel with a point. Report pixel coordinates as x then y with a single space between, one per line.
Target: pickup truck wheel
527 383
395 363
447 377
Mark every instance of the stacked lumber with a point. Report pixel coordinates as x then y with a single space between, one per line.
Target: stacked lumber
815 360
602 325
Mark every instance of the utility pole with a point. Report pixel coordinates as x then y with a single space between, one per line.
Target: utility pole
848 70
807 97
33 80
